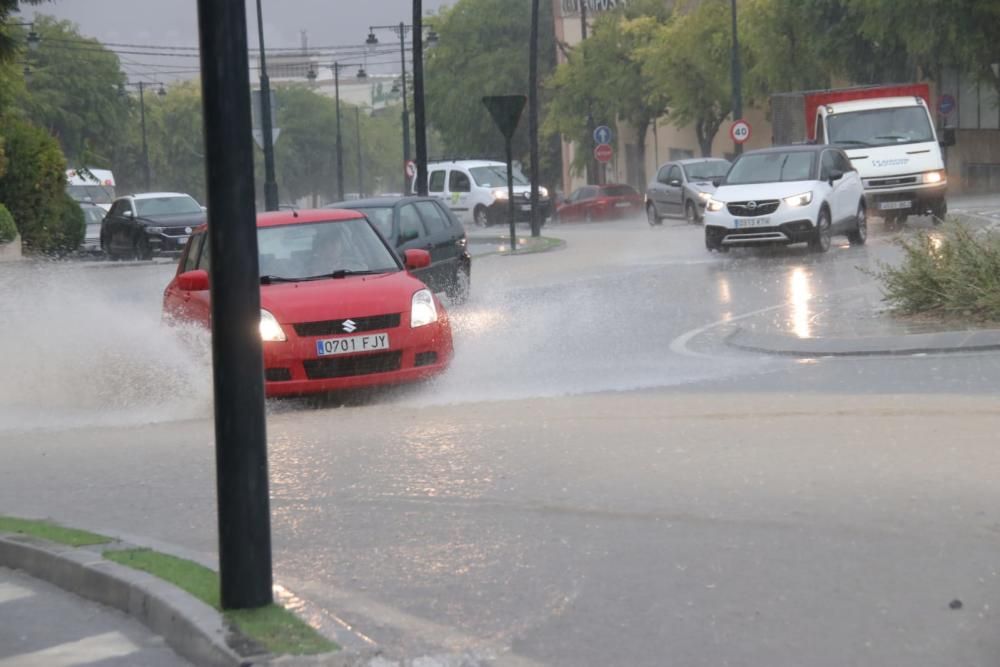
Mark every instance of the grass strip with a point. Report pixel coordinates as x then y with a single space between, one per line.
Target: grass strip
52 532
276 628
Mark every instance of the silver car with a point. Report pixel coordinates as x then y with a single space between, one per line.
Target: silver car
682 188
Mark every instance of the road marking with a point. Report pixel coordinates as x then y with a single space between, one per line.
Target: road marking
82 652
10 592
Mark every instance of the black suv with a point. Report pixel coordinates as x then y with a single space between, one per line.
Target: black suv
141 225
423 223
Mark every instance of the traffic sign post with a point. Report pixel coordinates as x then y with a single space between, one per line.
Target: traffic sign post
739 131
602 135
946 104
603 152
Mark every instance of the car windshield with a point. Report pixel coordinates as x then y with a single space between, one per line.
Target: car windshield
881 127
96 194
380 216
164 206
772 167
299 251
496 177
706 171
619 191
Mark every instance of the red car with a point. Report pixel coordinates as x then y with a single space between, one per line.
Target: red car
339 310
600 202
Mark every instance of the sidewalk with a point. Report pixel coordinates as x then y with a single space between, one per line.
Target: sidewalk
45 626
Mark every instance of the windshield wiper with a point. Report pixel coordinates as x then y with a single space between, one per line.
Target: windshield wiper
856 142
268 279
343 273
890 136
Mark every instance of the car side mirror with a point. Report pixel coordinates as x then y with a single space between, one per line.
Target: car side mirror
947 137
416 259
193 281
717 181
128 213
835 175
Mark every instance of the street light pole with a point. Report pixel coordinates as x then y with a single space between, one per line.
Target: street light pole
270 185
361 171
406 112
419 120
145 147
737 83
340 152
533 117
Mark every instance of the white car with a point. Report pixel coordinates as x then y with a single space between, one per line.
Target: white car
476 191
787 194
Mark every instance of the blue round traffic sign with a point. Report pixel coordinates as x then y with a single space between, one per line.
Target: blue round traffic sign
602 135
946 104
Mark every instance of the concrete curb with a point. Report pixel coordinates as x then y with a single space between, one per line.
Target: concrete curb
194 630
929 343
552 245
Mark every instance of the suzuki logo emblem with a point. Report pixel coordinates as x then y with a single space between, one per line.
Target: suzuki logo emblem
349 326
751 205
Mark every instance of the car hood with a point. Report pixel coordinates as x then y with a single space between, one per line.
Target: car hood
759 191
882 161
702 186
192 220
339 298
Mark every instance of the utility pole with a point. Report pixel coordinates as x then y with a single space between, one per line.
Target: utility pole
340 141
418 97
737 81
237 356
270 184
536 228
145 146
591 162
361 170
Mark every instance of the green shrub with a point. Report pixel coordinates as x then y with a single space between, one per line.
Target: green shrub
69 229
8 230
956 274
33 187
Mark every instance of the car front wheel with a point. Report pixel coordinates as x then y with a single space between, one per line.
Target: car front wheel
860 233
480 216
822 237
690 213
651 215
458 289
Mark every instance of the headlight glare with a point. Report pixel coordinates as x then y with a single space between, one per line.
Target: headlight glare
803 199
704 196
270 330
714 205
422 309
931 177
501 193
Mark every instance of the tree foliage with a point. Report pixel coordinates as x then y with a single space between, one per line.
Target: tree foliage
483 50
33 191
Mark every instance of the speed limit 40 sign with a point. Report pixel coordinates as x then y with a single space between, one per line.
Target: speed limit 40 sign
740 131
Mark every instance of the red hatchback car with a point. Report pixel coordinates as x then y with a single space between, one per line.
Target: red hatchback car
600 202
338 308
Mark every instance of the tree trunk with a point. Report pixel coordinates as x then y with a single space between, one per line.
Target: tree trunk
704 138
642 128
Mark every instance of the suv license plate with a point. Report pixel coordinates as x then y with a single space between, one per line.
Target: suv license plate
893 205
743 223
349 344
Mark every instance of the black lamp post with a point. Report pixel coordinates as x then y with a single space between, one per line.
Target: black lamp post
161 91
267 140
737 83
418 90
33 39
336 67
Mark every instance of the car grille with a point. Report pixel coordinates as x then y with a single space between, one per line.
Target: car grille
336 327
177 231
744 209
277 374
425 358
364 364
890 182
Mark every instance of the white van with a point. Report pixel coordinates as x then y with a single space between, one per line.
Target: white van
476 191
92 186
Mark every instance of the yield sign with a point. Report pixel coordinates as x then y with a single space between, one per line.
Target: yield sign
506 111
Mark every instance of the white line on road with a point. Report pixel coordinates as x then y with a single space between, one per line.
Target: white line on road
82 652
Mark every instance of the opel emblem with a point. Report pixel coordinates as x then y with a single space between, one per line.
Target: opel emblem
349 326
751 205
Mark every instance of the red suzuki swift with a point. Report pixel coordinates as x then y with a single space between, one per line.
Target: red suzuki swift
338 309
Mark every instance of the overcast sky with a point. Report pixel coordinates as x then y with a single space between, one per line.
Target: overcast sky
174 22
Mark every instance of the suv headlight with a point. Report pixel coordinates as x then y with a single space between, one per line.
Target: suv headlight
931 177
154 230
501 193
803 199
270 330
714 205
422 309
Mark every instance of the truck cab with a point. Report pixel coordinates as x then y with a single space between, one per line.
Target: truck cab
892 143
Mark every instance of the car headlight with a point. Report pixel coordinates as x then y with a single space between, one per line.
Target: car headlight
803 199
501 193
543 192
704 196
422 309
714 205
931 177
154 230
270 330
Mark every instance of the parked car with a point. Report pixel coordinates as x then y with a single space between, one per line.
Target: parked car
339 308
91 186
142 225
682 187
791 194
600 202
423 222
93 215
476 191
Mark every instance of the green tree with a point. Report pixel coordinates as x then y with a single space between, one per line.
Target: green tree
483 50
12 37
689 59
604 80
72 93
34 191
